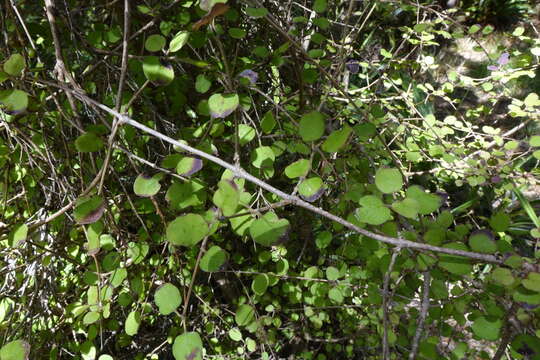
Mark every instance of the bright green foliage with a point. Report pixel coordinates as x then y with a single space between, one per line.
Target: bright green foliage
88 142
18 234
244 315
202 83
213 259
312 126
14 65
15 350
179 41
187 230
188 346
155 43
13 101
407 207
156 72
388 180
89 210
133 321
299 168
222 105
146 186
227 197
482 241
337 139
167 298
260 284
268 229
373 211
311 189
487 329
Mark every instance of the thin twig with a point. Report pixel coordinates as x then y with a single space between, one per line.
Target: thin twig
386 285
423 314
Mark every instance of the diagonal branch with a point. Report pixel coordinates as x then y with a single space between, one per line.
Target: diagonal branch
293 199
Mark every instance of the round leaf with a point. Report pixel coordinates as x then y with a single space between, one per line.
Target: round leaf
179 41
312 126
188 346
227 197
167 298
154 42
487 329
213 259
482 241
146 186
221 105
268 229
89 210
260 284
18 234
373 211
455 264
156 72
132 323
15 350
299 168
187 230
88 142
427 203
407 208
388 180
499 221
13 101
311 189
202 84
263 157
337 139
188 166
14 65
244 315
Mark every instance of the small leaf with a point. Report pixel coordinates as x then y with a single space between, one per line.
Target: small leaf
388 181
260 284
155 42
455 264
532 100
373 211
156 72
299 168
187 230
88 142
244 315
188 346
502 276
256 12
227 197
487 329
311 189
146 186
213 259
312 126
319 6
532 282
188 166
268 122
167 298
407 208
337 139
482 241
133 321
91 317
18 235
13 101
89 210
178 42
534 141
245 134
237 33
427 203
15 350
14 65
335 295
268 229
202 84
221 105
263 157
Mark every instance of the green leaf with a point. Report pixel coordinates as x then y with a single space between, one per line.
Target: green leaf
373 211
245 134
227 197
15 350
188 346
499 221
335 295
312 126
534 140
455 264
18 235
332 273
178 41
532 282
263 157
221 105
482 241
244 315
137 251
427 203
408 208
268 229
337 139
388 180
14 65
299 168
268 122
167 298
522 294
531 100
146 186
188 166
89 210
235 334
133 321
156 72
91 317
311 189
237 33
213 259
154 43
88 142
187 230
260 284
319 6
487 329
502 276
256 12
13 101
202 84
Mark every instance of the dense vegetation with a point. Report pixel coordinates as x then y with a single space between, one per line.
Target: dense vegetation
251 179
